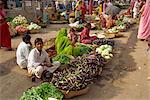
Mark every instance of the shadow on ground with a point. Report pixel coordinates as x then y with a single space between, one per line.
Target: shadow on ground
6 66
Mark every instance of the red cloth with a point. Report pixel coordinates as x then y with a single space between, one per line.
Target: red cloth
90 7
85 38
5 38
83 7
132 2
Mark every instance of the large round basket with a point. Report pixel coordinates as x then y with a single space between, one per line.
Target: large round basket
71 94
21 33
35 31
122 30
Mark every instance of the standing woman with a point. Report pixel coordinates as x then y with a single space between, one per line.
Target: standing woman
144 27
136 9
83 8
5 38
132 3
104 6
90 7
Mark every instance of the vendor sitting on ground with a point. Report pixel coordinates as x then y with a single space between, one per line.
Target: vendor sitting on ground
84 36
72 36
38 20
109 22
102 21
38 60
23 51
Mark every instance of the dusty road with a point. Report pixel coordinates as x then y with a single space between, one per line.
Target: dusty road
124 78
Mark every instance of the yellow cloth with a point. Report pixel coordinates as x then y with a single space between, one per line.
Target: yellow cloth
100 9
79 3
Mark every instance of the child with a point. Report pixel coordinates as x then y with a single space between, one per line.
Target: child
84 37
38 20
109 22
102 21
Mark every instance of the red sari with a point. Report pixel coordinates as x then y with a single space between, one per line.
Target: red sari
90 7
85 38
83 7
5 38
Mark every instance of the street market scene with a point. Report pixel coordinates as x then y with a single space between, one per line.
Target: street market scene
74 49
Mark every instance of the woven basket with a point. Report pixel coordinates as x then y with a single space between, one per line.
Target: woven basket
122 30
34 31
21 33
71 94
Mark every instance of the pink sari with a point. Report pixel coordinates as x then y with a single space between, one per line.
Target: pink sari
144 27
132 3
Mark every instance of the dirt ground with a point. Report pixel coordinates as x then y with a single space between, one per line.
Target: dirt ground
126 77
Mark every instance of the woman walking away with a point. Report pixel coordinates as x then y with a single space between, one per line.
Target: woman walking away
5 38
144 27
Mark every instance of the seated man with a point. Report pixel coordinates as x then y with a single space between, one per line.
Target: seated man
23 51
38 60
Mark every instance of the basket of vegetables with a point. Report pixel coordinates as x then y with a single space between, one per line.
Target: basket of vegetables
21 29
113 30
19 20
42 92
122 28
34 28
71 94
43 25
70 82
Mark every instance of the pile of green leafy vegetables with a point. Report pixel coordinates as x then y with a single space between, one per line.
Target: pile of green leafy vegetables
62 58
42 92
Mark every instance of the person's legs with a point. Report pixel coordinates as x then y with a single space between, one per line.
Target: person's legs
38 71
53 68
23 64
86 41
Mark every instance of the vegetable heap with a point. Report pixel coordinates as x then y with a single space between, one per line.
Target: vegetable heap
123 26
21 28
88 64
126 19
33 26
113 30
105 51
69 80
119 22
64 59
81 49
18 20
104 41
80 73
42 92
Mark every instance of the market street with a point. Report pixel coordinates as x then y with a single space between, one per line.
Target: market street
126 77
